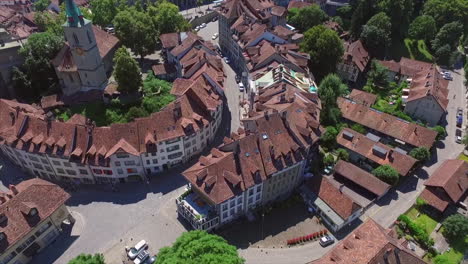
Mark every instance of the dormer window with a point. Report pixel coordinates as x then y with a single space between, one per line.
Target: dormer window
33 212
2 236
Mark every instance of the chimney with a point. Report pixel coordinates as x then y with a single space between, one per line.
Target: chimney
13 189
177 110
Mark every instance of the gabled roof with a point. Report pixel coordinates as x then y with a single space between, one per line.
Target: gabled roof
356 53
452 177
362 97
402 130
429 83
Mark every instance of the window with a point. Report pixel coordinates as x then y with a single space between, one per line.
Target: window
233 211
59 170
33 158
122 155
250 200
97 171
28 242
44 161
131 170
108 172
84 172
56 162
172 148
2 236
67 164
225 215
48 168
258 197
33 212
175 155
38 166
117 163
259 188
187 145
129 163
8 258
147 162
233 203
172 140
119 171
251 192
71 172
155 161
239 200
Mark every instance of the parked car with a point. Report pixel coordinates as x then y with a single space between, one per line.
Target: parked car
459 111
134 251
141 258
459 120
214 19
238 78
241 87
150 260
110 29
458 136
226 60
447 77
326 240
203 25
215 36
197 28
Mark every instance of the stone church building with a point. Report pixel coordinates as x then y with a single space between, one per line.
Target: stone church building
85 61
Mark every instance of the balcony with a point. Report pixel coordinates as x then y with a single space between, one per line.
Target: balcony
196 211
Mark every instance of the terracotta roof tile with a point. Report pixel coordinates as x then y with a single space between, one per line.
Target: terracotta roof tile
356 53
362 97
452 177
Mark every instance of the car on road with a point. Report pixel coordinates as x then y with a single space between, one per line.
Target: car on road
459 111
203 25
215 36
214 19
458 136
137 249
226 60
459 120
241 87
142 257
197 28
447 77
326 241
238 78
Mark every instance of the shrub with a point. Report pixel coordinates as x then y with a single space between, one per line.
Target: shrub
387 174
328 159
441 133
359 128
421 153
420 203
342 154
416 230
455 226
329 137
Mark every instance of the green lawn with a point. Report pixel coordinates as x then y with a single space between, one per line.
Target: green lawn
418 50
455 254
424 220
463 157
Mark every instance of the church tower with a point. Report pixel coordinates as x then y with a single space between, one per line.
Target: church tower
85 52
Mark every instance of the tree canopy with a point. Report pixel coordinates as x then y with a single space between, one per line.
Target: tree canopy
449 34
455 226
324 47
41 5
126 71
166 18
104 11
88 259
378 75
420 153
328 138
423 27
196 247
387 174
307 17
400 12
365 9
329 90
444 11
376 33
136 30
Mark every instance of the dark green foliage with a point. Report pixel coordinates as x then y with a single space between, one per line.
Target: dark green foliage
365 9
88 259
157 93
376 33
328 159
421 153
455 226
136 30
307 17
417 231
342 154
378 75
400 12
387 174
420 203
423 27
444 11
449 34
196 247
104 11
325 49
441 133
329 137
135 112
329 90
126 71
41 5
359 128
166 18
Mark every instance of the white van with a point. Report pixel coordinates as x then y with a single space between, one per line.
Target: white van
134 251
241 87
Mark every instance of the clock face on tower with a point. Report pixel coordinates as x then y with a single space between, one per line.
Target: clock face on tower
79 51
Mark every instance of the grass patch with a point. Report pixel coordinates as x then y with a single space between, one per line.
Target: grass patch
455 255
424 220
418 50
156 96
463 157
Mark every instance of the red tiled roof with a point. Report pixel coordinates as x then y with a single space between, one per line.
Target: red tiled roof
46 197
429 83
105 41
436 198
362 97
406 67
365 146
298 4
356 53
452 177
341 203
169 40
361 178
163 69
51 101
369 244
407 132
278 10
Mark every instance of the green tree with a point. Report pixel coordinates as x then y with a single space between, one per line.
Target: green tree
328 159
167 19
328 138
88 259
400 12
20 81
38 51
455 226
365 9
126 71
135 112
104 11
359 128
325 49
449 34
376 33
421 153
442 54
307 17
423 27
329 90
443 259
441 133
199 247
41 5
387 174
378 75
342 154
444 11
136 30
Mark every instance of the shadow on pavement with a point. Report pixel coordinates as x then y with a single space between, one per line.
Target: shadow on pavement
343 232
51 253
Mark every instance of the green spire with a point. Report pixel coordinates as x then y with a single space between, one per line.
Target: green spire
73 14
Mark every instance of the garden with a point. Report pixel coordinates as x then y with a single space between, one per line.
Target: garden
155 95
